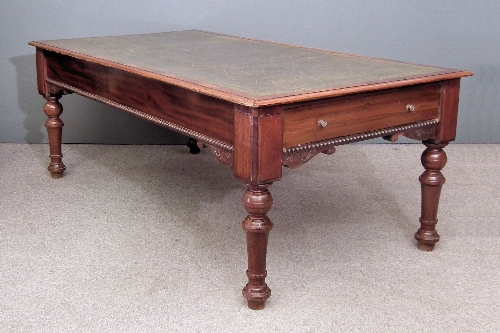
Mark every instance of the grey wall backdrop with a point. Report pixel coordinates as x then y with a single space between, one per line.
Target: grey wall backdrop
461 34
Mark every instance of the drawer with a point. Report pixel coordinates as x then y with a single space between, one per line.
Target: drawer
359 113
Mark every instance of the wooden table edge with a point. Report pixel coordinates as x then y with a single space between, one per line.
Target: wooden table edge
253 101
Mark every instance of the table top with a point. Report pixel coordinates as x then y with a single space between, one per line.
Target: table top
246 71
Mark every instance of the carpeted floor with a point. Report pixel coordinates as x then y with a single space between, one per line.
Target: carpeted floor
149 239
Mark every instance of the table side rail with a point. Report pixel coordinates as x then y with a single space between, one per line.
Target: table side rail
156 101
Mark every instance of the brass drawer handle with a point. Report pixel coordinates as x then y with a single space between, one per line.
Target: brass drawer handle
322 123
410 107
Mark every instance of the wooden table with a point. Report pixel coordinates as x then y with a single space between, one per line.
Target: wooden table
258 106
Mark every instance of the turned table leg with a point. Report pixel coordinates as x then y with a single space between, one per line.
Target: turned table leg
53 110
257 202
433 159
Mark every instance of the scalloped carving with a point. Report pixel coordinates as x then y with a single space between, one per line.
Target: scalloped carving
420 134
297 156
226 157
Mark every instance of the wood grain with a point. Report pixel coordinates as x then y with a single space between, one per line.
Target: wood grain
359 113
258 147
186 108
448 111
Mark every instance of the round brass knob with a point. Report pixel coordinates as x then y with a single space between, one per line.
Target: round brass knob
410 107
322 123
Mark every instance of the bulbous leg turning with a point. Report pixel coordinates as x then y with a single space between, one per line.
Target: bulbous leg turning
257 202
53 110
433 160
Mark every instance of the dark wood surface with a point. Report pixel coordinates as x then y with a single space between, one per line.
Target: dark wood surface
258 106
362 112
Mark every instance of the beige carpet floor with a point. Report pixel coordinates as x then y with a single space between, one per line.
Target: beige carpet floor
149 239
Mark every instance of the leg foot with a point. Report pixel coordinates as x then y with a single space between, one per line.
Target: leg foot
254 305
53 110
433 160
425 247
193 146
257 202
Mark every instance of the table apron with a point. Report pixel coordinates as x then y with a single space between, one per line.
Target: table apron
159 100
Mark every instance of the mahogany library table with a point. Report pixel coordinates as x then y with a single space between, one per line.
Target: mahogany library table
258 106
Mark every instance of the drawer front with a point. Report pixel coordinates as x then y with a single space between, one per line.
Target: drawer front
359 113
